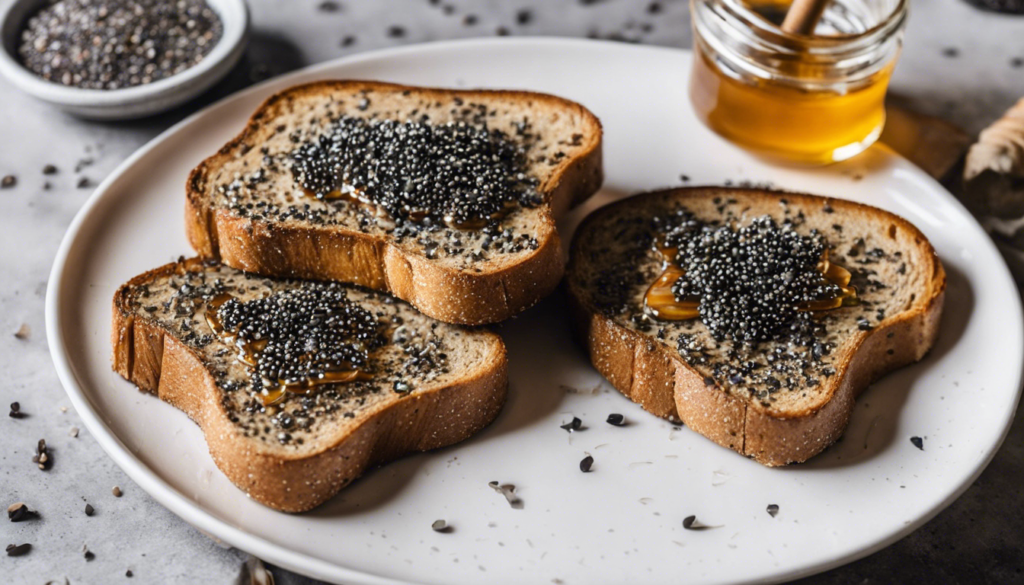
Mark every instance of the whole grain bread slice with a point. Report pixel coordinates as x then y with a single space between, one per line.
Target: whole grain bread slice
257 218
674 369
434 384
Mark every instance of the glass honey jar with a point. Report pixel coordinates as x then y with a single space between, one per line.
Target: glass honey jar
807 99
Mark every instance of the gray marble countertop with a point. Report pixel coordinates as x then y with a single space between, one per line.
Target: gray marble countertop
958 63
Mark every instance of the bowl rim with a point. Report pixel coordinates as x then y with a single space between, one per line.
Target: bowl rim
234 17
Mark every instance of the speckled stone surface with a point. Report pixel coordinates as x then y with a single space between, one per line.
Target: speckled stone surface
958 63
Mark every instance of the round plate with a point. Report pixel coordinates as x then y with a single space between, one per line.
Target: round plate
622 521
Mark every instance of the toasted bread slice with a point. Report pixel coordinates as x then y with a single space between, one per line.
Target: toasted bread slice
432 384
900 284
247 208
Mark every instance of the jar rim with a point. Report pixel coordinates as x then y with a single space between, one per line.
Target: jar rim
754 47
768 32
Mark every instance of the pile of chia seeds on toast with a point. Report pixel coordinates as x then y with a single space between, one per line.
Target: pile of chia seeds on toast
457 173
749 280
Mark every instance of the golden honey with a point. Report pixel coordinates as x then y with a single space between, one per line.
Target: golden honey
811 100
779 121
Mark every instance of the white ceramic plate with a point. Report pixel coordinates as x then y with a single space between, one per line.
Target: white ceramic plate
622 522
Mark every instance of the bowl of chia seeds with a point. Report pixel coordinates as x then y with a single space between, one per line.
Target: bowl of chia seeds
120 59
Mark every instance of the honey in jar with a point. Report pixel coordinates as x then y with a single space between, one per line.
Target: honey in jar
808 99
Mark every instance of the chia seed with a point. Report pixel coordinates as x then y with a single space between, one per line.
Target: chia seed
574 425
113 44
19 512
587 464
43 458
17 550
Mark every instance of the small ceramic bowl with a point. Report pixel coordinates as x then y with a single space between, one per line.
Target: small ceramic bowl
130 102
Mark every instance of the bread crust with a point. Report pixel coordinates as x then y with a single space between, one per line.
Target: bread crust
495 293
158 363
655 376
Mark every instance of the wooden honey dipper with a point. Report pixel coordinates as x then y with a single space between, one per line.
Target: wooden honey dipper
803 16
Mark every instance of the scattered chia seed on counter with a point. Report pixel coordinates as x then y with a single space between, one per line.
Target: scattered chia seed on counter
114 44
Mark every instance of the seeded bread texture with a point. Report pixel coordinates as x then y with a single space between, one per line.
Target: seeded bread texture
716 387
261 221
296 454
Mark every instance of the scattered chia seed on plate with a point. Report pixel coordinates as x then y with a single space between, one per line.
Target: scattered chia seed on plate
691 523
574 425
586 464
114 44
616 420
509 491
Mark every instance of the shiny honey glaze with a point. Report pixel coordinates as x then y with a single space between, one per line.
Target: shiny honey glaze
248 354
781 121
356 195
661 303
